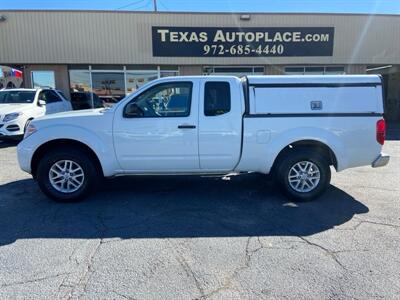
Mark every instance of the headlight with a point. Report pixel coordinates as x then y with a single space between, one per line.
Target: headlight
12 116
29 130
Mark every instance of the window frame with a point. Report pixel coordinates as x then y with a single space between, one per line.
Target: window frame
125 115
204 97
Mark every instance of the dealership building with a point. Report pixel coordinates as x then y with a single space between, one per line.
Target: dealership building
112 53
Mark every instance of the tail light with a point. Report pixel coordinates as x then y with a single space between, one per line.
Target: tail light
380 131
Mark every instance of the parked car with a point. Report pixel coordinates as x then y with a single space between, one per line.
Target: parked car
20 106
294 127
83 100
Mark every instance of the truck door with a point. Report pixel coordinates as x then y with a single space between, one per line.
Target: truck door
220 123
157 131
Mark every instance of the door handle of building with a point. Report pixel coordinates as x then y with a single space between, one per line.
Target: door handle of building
185 126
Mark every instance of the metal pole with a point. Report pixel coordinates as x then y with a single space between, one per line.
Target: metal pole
91 86
155 5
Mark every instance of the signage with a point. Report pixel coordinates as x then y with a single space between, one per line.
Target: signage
242 42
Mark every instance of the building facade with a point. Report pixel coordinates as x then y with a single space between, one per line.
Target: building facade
114 53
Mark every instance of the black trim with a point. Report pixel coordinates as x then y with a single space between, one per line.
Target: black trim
186 126
312 85
382 84
245 85
306 115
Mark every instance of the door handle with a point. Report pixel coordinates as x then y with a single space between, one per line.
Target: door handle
183 126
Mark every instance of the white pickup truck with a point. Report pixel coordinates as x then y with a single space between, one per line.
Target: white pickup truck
295 127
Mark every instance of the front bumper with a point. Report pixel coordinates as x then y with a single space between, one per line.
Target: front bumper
381 160
11 129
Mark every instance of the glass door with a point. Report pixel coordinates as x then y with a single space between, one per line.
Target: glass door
109 86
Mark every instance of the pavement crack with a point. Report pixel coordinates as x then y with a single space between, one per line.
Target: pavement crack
326 250
34 280
124 296
190 273
375 223
247 259
83 279
187 269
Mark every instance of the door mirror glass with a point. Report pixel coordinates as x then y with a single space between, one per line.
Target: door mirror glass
132 110
41 102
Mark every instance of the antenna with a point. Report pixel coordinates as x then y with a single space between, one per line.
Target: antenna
155 5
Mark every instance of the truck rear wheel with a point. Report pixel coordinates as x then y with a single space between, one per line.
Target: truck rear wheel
303 175
66 175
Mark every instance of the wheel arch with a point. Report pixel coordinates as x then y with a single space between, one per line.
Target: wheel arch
315 145
56 143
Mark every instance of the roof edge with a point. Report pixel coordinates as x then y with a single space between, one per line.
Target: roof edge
198 12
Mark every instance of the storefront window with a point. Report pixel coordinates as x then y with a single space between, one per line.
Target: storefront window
234 71
42 79
319 70
79 81
314 70
169 73
334 70
135 79
109 86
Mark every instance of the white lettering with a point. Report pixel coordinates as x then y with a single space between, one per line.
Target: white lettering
287 36
249 36
203 37
163 33
296 36
173 36
278 37
219 36
183 36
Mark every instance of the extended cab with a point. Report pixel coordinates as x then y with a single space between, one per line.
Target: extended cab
295 127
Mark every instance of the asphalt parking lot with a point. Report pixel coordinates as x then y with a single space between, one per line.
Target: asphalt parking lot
197 238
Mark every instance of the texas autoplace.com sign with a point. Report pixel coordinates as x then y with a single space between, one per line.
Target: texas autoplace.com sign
242 42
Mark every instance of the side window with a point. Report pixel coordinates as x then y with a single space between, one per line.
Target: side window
170 99
217 98
52 97
49 96
63 95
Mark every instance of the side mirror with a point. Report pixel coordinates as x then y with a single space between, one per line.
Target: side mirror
132 110
41 103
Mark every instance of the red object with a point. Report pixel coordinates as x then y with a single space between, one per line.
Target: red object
380 131
17 73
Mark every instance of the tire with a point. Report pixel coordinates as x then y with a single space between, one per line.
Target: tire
73 159
292 166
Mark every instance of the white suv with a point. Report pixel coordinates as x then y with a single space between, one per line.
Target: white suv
19 106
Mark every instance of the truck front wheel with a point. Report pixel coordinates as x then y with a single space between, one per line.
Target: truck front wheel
304 174
66 175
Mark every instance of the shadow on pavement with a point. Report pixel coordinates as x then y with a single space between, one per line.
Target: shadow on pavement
8 143
173 207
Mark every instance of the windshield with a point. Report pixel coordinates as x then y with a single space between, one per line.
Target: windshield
11 97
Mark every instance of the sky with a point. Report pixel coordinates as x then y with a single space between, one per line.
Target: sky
317 6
